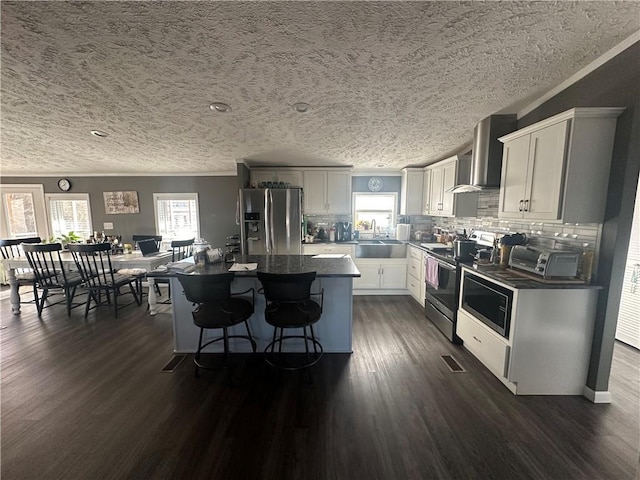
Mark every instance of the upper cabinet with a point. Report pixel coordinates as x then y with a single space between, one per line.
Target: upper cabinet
444 176
285 175
411 201
327 191
558 169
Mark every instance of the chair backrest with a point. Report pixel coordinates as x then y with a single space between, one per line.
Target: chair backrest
46 263
206 288
148 246
136 238
287 287
93 262
11 247
181 249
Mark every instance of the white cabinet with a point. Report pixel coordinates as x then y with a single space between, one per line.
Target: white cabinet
381 274
415 274
444 176
558 169
285 175
318 248
426 191
327 191
411 191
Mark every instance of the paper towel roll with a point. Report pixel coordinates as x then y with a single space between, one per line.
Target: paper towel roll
403 231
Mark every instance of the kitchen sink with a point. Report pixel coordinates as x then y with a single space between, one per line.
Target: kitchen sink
383 248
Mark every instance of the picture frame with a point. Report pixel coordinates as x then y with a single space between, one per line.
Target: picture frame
117 203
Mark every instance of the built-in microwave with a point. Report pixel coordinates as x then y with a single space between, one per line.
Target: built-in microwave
487 301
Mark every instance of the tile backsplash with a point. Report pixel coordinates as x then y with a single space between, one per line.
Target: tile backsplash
553 235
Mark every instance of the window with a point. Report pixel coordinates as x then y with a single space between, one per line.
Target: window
23 211
69 212
370 207
176 215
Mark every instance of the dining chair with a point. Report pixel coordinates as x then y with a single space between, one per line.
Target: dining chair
51 274
101 280
289 306
11 248
180 249
217 308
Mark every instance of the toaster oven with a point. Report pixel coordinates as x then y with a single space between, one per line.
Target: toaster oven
544 262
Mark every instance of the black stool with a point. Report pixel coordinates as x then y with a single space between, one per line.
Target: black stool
289 305
217 308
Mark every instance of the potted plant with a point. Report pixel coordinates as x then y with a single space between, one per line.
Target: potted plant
68 238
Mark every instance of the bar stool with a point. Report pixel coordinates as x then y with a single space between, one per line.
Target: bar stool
289 305
217 309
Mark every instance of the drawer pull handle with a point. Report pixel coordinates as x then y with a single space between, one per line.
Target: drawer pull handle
477 339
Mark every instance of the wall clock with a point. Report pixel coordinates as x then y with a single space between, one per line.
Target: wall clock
64 184
375 184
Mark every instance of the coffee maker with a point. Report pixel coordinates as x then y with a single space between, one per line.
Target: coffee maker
344 232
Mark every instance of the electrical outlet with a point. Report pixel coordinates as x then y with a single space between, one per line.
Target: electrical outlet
107 226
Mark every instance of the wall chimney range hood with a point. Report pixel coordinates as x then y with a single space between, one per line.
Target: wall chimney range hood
486 157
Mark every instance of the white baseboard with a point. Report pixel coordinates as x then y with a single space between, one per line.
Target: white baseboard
602 396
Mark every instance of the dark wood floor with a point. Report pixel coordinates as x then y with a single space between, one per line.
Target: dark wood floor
87 400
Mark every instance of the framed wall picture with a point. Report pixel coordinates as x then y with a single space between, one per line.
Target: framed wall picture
121 202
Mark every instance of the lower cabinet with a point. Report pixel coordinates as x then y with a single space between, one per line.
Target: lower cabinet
415 274
379 274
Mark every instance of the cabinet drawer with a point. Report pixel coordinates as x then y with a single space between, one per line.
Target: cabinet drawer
492 351
415 253
414 285
415 267
316 249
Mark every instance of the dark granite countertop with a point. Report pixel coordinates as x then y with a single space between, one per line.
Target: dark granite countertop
324 267
516 279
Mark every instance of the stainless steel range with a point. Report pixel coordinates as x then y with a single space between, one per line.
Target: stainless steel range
442 280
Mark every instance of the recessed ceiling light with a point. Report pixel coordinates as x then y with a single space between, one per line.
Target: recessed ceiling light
301 107
381 165
220 107
99 133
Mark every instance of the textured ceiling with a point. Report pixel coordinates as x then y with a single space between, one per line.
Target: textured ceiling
398 83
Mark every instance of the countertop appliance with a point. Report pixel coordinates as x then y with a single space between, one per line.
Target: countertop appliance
344 231
443 273
271 221
544 262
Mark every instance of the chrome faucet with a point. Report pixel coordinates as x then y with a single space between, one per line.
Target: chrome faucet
373 227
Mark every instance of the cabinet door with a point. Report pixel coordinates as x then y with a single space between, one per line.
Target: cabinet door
393 275
338 192
411 194
370 276
413 286
315 189
426 191
515 159
436 191
448 181
545 172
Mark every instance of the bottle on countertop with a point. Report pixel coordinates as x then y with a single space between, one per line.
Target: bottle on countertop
332 234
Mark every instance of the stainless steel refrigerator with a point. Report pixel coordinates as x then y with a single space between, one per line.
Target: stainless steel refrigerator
271 221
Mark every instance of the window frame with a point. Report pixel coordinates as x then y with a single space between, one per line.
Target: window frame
175 196
67 196
394 208
40 209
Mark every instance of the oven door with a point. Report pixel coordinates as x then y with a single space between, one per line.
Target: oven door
443 297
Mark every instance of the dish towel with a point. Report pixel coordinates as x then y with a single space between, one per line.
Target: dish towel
432 272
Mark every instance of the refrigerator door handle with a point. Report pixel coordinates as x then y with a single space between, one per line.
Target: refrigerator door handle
270 247
267 231
288 220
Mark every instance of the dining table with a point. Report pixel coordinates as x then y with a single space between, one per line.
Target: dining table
131 260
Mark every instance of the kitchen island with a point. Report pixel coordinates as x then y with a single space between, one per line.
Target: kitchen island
334 276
